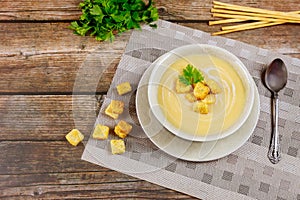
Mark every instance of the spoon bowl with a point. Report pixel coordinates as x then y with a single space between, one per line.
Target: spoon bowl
276 77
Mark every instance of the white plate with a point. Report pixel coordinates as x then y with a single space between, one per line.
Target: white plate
185 149
163 63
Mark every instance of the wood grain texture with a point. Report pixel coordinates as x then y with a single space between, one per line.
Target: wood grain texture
46 117
48 58
52 170
39 10
181 10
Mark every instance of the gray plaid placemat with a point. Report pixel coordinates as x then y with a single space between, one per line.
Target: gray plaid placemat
244 174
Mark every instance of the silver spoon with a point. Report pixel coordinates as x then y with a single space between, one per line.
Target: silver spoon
275 79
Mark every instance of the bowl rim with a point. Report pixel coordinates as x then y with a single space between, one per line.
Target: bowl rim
158 71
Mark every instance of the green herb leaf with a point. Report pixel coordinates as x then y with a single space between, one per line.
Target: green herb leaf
190 75
183 80
103 18
96 10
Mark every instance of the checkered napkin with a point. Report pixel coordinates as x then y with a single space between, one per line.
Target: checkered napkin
245 174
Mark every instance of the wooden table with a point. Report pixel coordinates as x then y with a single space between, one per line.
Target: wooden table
39 61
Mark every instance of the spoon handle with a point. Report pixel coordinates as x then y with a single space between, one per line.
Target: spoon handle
274 150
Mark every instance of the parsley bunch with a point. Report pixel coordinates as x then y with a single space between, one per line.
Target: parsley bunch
104 18
191 75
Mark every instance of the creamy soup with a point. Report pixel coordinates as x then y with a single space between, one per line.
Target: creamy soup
222 115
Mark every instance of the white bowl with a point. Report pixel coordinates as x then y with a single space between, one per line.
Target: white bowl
215 121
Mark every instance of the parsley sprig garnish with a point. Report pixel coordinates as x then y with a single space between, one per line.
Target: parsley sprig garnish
191 75
104 18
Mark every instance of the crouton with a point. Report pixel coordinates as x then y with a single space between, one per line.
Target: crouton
191 97
109 112
200 107
117 107
122 129
114 109
124 88
74 137
117 146
213 86
101 132
209 99
182 88
201 90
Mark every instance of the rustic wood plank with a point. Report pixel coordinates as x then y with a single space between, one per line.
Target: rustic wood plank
181 10
24 157
100 176
94 190
55 73
102 184
52 169
39 10
126 190
46 117
48 58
